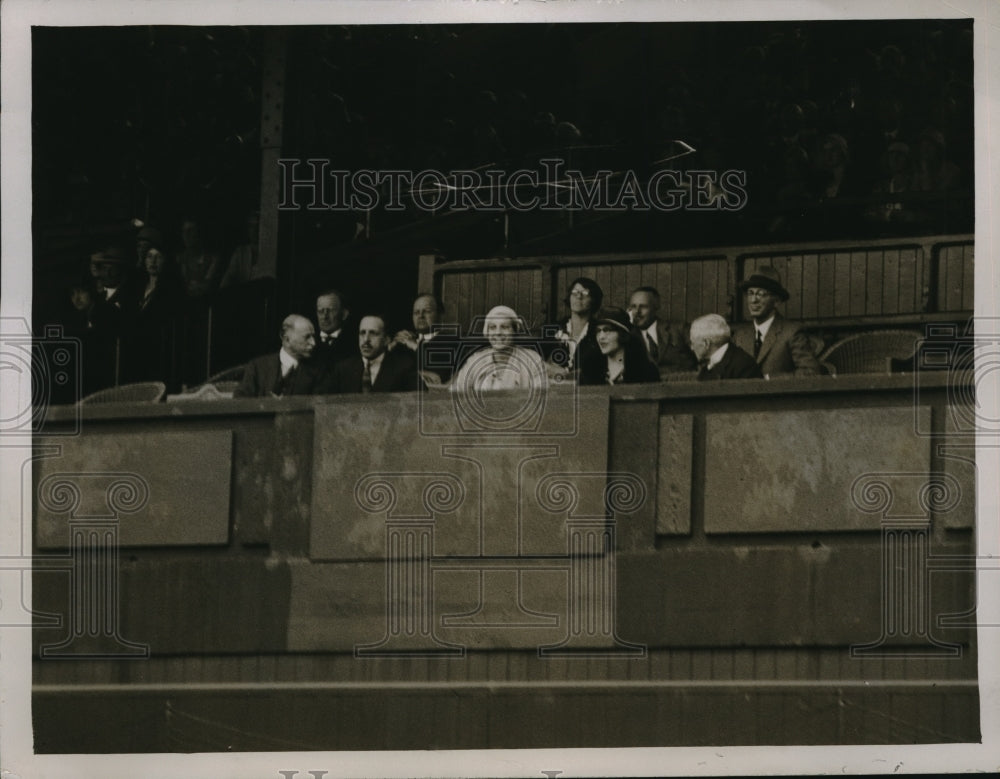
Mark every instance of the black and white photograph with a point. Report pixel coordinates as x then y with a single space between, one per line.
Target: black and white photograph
498 389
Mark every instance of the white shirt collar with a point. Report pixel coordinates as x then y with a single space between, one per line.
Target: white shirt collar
651 332
331 336
763 327
583 331
716 356
375 363
287 361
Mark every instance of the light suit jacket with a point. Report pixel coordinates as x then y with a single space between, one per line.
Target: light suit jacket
785 348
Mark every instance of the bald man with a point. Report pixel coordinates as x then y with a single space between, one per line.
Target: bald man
289 372
435 346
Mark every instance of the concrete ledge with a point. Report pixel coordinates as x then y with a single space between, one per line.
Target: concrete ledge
317 716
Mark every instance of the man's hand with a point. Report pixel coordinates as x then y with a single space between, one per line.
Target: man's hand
405 338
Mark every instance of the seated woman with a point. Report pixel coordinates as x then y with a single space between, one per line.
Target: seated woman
625 360
501 364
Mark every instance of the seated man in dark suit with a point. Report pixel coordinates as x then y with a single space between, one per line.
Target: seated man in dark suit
777 344
375 369
333 341
439 359
719 358
665 342
288 372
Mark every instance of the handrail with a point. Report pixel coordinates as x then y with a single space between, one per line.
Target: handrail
751 389
726 250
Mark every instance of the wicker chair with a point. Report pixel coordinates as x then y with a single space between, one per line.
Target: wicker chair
234 374
224 383
871 352
220 385
140 392
221 391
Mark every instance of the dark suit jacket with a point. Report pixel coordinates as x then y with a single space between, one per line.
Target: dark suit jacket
261 375
441 355
735 364
674 352
343 346
554 350
785 348
397 374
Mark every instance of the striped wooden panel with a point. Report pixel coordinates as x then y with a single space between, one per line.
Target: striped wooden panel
845 283
688 288
470 294
956 270
677 664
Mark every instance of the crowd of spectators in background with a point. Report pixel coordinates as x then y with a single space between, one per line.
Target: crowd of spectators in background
839 128
814 113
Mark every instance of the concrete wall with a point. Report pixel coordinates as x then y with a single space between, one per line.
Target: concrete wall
673 564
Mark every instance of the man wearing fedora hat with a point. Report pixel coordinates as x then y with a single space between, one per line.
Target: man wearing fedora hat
777 344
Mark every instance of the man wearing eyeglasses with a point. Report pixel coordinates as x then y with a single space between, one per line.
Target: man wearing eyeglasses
779 347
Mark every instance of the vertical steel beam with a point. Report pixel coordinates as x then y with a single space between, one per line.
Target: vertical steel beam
271 126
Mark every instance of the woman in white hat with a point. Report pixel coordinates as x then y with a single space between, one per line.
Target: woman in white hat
501 364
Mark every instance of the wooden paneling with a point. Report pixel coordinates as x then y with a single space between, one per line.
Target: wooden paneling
468 295
862 282
787 663
688 287
867 282
956 270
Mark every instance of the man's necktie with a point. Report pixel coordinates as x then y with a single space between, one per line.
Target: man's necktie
652 348
366 378
756 344
285 382
326 337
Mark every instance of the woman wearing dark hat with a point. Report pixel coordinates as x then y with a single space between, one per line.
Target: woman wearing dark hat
623 357
154 301
160 291
146 237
